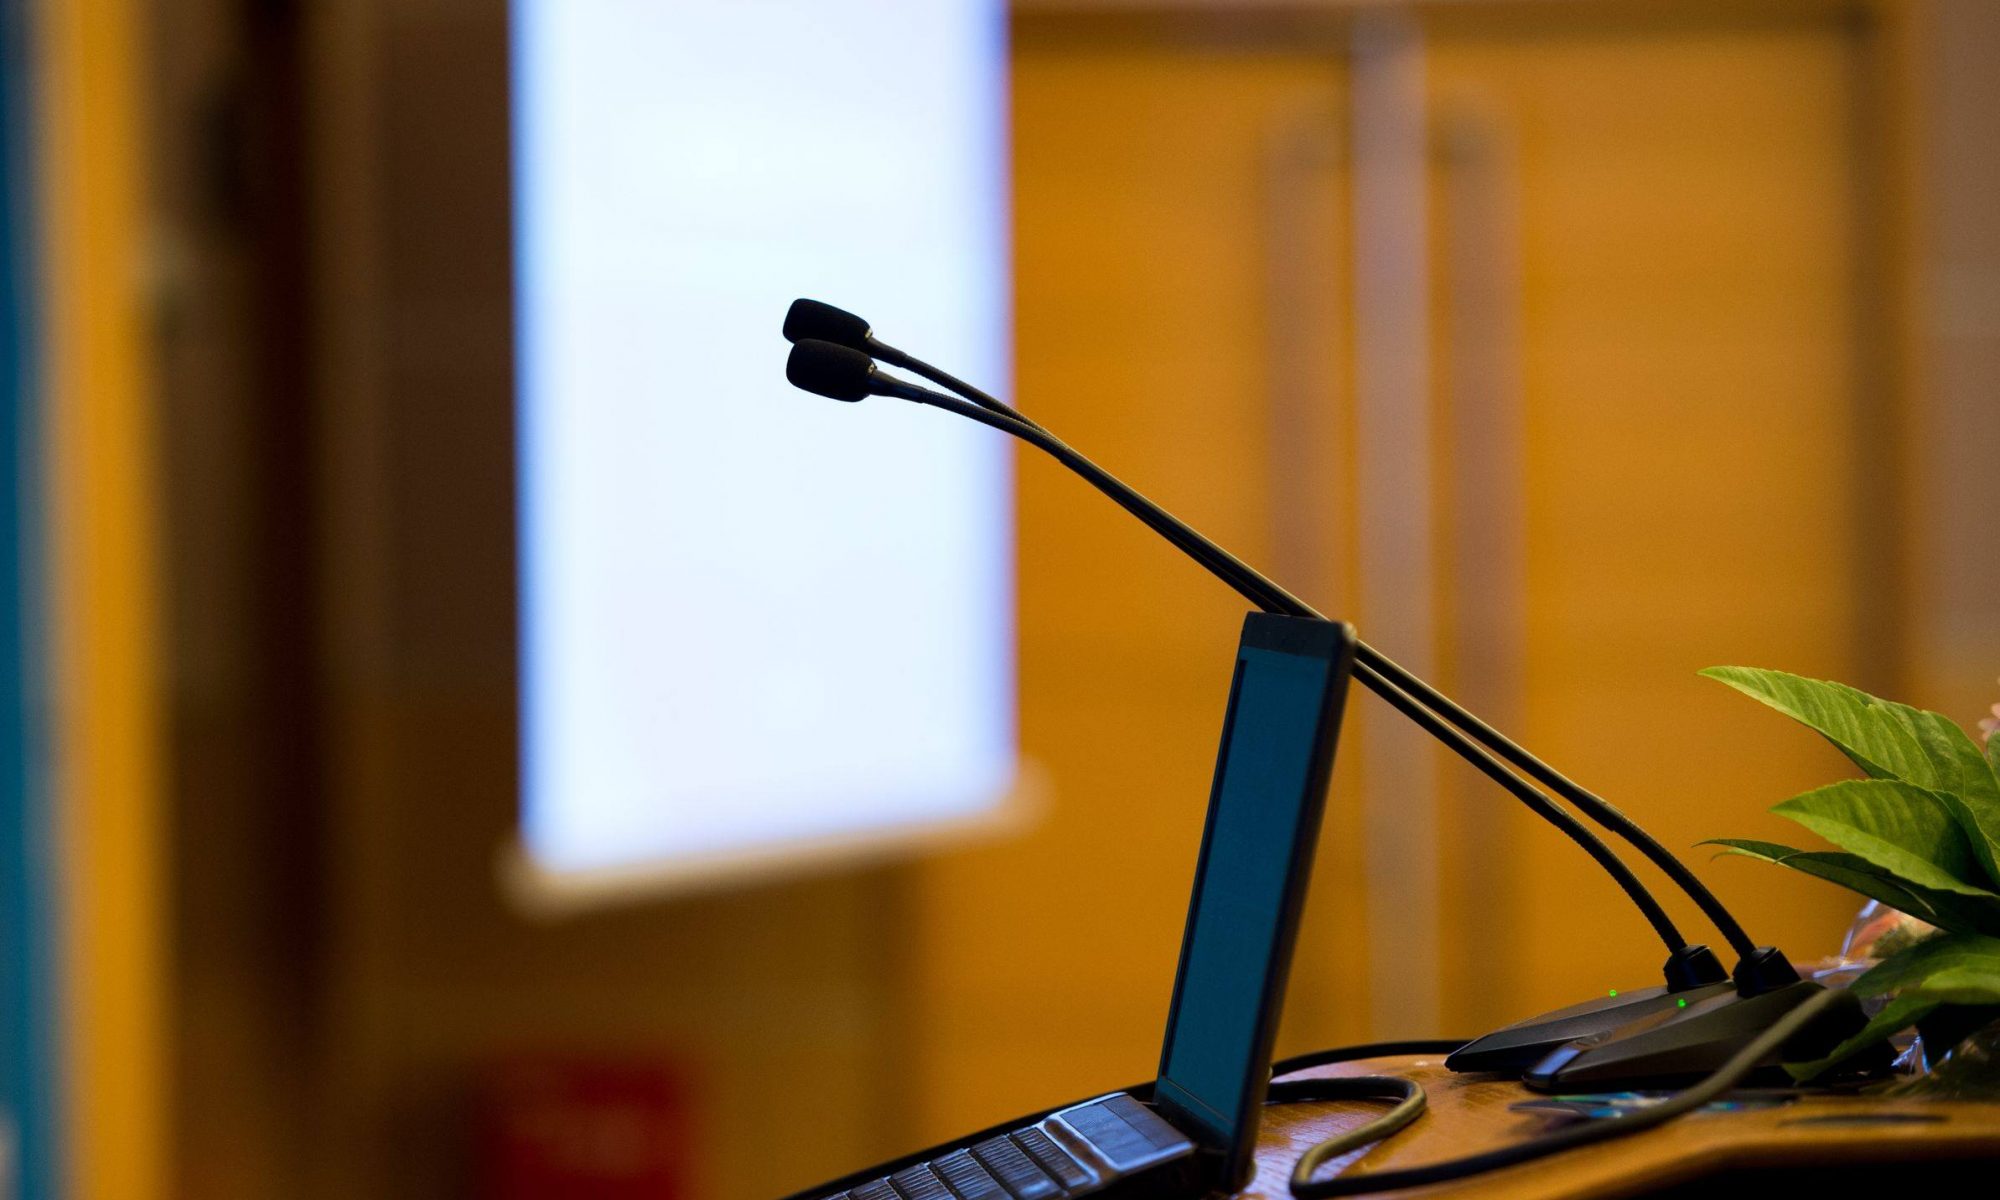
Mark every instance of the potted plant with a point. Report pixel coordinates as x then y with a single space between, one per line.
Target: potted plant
1920 834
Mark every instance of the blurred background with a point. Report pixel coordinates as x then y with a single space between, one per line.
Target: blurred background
1565 347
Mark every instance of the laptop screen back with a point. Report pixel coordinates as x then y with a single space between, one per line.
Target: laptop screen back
1263 821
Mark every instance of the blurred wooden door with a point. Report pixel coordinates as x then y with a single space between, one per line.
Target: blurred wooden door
1671 225
1538 341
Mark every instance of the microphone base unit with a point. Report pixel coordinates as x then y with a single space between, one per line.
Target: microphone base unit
1682 1045
1693 973
1520 1047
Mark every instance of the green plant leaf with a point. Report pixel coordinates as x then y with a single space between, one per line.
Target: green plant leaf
1981 823
1891 741
1967 786
1955 758
1897 1015
1955 968
1906 830
1949 911
1886 739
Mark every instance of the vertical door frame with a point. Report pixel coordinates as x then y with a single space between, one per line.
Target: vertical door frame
29 1132
104 742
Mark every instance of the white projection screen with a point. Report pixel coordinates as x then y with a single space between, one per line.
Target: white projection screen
757 626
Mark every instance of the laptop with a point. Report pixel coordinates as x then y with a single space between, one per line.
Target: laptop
1196 1131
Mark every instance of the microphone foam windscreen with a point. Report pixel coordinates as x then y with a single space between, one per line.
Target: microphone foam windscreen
825 323
829 370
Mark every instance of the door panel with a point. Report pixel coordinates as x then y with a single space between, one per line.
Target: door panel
1689 252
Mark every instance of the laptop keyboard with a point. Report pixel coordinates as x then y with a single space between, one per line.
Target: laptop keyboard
1076 1152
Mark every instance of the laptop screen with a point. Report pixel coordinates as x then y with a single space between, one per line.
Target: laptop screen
1263 820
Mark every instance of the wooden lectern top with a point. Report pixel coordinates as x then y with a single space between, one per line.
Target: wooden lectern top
1469 1114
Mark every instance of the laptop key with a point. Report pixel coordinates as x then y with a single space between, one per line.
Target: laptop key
963 1174
1158 1134
1054 1159
1121 1145
920 1183
880 1189
1014 1169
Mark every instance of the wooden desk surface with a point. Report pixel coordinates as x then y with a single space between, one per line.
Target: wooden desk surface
1467 1114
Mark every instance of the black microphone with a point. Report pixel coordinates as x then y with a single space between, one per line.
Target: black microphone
1659 1044
833 371
816 320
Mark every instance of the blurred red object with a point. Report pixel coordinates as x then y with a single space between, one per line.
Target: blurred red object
584 1130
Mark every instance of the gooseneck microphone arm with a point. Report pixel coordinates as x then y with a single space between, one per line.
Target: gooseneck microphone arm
1602 811
815 320
1270 597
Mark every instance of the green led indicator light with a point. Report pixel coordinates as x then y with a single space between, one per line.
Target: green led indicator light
1614 991
1680 1004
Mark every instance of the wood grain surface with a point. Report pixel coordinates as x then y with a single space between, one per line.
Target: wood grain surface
1468 1114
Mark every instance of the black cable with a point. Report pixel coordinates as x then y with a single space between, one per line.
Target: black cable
1380 671
1246 581
1727 1076
1409 1096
